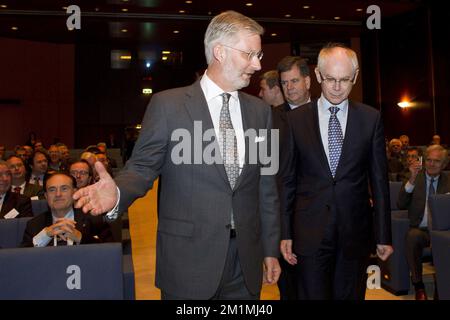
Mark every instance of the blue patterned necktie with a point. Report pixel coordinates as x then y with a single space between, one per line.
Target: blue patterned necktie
335 139
431 191
228 142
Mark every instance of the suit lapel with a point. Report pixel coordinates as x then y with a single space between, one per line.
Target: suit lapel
197 109
7 204
351 132
316 129
442 186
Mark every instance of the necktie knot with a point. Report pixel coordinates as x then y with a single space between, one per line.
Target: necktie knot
17 189
225 98
333 110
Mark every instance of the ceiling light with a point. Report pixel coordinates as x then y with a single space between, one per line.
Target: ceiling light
337 18
14 28
176 31
209 13
4 6
404 104
181 11
124 30
147 91
274 34
96 9
306 7
313 17
124 9
64 8
165 52
188 2
287 15
249 4
164 58
359 9
125 57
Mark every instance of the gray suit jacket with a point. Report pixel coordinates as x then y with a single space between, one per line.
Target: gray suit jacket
196 200
415 202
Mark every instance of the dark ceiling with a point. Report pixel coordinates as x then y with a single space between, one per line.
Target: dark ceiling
154 21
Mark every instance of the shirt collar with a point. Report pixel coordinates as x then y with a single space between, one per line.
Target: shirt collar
212 90
22 185
429 177
325 104
69 215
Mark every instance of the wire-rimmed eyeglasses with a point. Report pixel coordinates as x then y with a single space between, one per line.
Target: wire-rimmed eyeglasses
251 54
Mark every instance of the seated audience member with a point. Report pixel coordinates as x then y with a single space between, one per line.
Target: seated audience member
19 183
12 204
435 140
102 147
22 153
28 152
54 154
2 152
82 172
64 225
65 156
101 156
413 155
39 167
413 196
91 158
38 145
395 158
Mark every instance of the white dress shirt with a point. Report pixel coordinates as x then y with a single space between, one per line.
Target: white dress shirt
324 118
42 239
214 100
294 106
22 187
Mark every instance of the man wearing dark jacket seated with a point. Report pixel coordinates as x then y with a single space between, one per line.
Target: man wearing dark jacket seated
64 225
12 205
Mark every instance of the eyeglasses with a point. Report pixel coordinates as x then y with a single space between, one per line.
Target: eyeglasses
250 54
62 189
79 173
15 166
332 81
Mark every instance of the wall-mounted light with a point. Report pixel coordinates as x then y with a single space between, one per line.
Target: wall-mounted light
147 91
125 57
404 104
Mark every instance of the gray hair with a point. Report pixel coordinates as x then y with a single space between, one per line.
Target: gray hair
224 27
4 163
444 152
329 48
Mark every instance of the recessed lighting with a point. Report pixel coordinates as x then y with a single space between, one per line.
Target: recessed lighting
188 2
359 9
124 9
176 31
287 15
273 34
165 52
4 6
64 8
125 57
337 18
96 9
313 17
181 11
306 7
125 0
164 58
209 13
249 4
14 28
124 30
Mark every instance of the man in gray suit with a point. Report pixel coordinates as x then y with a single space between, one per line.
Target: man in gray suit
413 196
218 225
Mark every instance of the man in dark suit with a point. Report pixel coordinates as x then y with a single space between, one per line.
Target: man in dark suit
218 222
63 225
413 196
327 221
19 183
12 204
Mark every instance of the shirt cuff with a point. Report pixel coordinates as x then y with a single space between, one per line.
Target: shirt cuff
41 239
114 213
409 187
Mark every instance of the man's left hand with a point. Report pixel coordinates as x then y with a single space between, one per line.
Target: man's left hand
384 251
272 270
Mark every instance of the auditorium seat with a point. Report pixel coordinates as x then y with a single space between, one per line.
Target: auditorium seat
11 232
440 241
91 271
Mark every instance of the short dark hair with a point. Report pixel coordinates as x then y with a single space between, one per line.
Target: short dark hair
271 77
86 163
61 173
288 62
419 150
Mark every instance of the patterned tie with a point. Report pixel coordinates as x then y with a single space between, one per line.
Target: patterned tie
431 191
228 142
228 145
335 139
